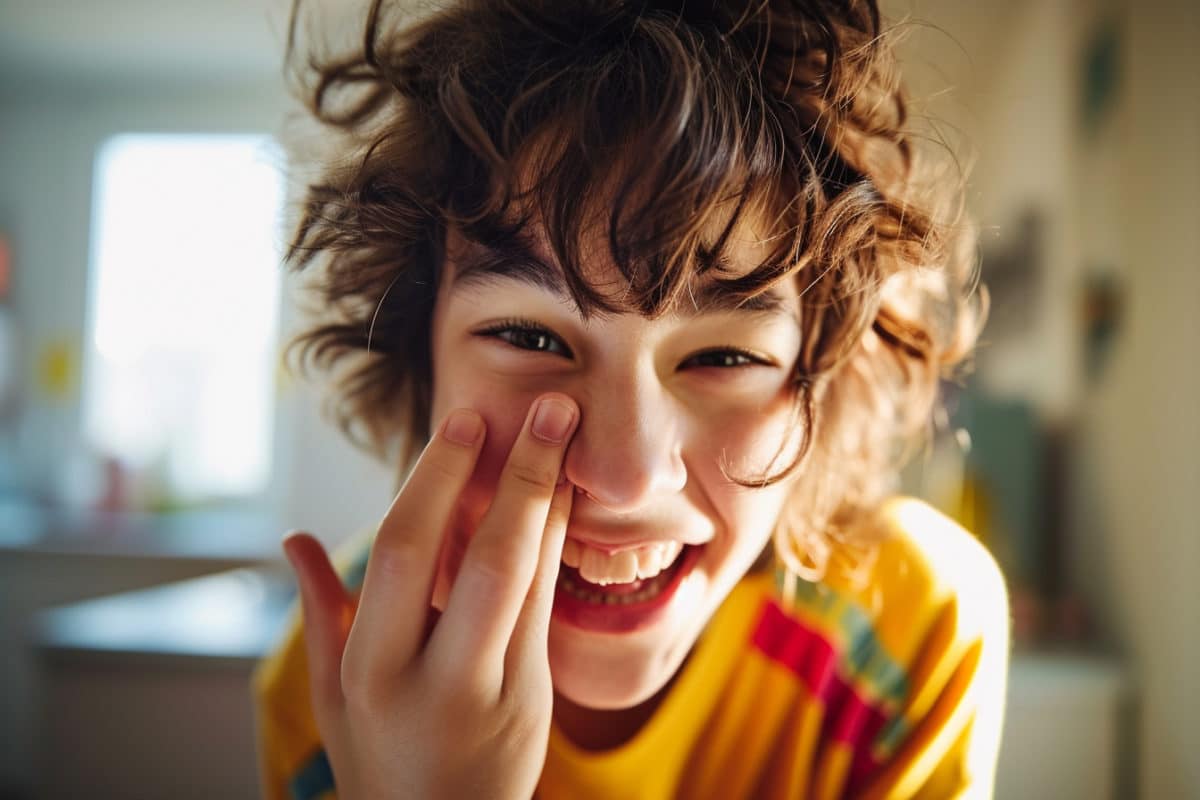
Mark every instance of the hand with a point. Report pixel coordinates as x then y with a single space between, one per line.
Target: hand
463 709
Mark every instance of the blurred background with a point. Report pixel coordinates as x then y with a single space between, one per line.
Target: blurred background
152 451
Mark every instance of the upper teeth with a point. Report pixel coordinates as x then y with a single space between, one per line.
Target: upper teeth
599 567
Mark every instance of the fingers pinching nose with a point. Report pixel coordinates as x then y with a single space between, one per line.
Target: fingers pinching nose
553 420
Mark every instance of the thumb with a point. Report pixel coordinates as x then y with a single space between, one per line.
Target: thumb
328 611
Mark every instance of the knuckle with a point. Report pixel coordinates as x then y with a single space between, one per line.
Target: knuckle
526 718
527 723
395 555
456 691
354 683
538 477
491 567
361 689
362 698
355 700
359 708
443 465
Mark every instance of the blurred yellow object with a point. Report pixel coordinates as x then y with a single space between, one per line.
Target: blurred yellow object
58 369
974 508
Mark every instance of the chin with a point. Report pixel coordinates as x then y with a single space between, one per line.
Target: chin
610 672
600 693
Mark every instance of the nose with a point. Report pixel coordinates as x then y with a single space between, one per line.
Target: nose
628 449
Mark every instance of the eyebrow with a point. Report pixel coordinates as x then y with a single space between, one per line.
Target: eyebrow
512 261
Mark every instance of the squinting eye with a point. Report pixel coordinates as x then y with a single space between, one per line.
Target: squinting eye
723 359
528 337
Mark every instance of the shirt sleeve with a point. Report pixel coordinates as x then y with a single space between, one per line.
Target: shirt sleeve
949 730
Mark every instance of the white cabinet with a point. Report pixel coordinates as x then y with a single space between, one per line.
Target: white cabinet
1063 732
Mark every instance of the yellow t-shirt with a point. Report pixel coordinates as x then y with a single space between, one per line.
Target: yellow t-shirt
887 683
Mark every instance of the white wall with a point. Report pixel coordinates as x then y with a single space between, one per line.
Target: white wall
1001 85
1138 481
1130 197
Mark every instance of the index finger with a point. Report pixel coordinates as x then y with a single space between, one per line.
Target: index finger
501 558
390 625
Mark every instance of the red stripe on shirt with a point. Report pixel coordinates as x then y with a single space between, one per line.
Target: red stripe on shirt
849 718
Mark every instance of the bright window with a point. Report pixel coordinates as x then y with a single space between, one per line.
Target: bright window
184 309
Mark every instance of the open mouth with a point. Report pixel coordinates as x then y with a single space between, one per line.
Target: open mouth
622 568
605 591
623 606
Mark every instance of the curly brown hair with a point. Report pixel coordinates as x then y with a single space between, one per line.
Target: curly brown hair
659 123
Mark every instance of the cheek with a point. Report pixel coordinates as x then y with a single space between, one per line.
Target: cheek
504 412
754 441
460 382
751 444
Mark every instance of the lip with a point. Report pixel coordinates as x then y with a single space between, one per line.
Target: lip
458 546
625 618
619 547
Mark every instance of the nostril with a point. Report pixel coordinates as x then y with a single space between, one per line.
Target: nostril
602 503
580 490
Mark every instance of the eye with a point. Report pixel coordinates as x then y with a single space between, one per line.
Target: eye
725 359
526 335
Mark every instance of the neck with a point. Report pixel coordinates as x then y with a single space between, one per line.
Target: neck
596 729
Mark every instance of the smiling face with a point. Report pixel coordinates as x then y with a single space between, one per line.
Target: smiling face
658 533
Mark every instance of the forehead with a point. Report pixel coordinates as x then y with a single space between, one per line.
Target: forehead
524 257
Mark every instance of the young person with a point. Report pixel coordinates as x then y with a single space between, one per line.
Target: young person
662 292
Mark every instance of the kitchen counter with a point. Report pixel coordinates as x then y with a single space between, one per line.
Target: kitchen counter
219 534
232 616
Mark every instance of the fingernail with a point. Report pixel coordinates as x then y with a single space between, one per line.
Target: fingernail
552 420
463 427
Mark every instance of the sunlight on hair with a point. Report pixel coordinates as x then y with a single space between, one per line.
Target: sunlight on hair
185 307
